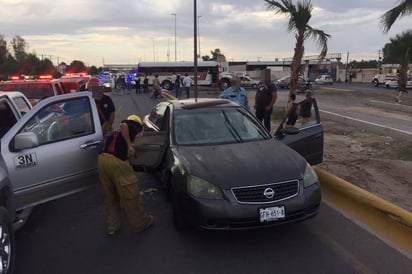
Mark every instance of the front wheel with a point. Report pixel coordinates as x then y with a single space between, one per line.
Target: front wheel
375 83
224 84
7 245
166 84
178 214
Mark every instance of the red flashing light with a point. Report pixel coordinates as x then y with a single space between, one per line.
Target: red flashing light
14 78
45 77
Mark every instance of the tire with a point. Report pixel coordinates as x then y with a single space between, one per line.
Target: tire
224 84
166 84
179 219
375 83
254 86
7 244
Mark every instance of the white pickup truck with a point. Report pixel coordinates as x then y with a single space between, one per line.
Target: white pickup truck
381 79
47 152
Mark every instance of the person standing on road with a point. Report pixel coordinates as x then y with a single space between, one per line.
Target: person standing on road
291 112
265 98
177 84
118 180
156 86
236 93
104 104
305 108
187 82
137 83
145 84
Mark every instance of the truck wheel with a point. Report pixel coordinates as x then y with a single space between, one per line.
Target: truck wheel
166 84
7 246
178 215
224 84
375 83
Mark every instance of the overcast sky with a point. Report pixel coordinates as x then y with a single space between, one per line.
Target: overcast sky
127 32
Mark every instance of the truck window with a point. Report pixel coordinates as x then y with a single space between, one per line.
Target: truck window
22 105
7 117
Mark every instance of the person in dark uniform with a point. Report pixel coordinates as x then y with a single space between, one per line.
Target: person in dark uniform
104 104
265 98
118 180
305 108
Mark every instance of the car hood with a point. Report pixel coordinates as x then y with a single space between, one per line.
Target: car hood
243 164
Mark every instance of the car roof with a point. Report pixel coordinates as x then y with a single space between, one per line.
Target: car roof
193 103
12 94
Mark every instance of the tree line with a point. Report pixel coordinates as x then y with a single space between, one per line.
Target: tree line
16 60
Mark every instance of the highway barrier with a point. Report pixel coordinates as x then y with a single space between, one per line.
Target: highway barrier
390 223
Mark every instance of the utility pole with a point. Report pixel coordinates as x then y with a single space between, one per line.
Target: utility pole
174 14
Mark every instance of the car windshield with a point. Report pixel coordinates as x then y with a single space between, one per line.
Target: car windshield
217 126
32 90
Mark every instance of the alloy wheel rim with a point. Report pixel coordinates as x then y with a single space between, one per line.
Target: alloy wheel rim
5 249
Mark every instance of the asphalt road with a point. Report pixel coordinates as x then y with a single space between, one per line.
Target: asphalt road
66 236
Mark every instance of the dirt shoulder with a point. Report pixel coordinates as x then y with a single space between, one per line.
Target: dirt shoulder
378 164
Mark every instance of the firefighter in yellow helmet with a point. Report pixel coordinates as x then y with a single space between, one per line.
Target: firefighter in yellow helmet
118 180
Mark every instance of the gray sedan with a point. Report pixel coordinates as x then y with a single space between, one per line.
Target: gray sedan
223 170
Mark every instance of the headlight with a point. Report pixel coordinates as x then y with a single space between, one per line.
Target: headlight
203 189
310 176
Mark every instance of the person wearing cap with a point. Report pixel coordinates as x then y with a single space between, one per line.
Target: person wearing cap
305 108
236 93
104 104
265 98
118 180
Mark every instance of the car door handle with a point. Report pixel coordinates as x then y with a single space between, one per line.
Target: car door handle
90 144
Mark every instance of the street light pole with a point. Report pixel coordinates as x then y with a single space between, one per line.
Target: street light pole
198 34
195 49
174 14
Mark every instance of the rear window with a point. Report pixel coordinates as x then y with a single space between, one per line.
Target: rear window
33 90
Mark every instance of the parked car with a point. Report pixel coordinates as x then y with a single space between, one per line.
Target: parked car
223 170
248 82
47 152
394 83
284 82
324 79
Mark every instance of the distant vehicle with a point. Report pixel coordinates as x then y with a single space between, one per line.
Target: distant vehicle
246 82
267 184
34 88
324 79
284 82
209 73
74 82
394 83
381 79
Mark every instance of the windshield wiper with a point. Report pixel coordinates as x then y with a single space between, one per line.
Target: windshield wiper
231 129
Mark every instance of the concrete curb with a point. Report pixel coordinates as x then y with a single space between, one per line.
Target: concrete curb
392 223
391 106
369 126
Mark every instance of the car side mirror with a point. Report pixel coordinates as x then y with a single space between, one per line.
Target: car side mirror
25 140
289 130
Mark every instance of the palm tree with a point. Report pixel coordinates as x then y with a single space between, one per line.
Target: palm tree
399 50
389 17
299 16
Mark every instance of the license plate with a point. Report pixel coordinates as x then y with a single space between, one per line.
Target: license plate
271 213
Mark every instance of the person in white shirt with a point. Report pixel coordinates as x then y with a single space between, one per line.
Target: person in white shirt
187 82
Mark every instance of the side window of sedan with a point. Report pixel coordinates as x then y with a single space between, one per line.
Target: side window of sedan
157 114
61 120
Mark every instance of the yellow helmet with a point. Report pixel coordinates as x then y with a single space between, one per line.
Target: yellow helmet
135 118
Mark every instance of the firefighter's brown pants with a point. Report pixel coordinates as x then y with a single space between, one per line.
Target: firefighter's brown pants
119 186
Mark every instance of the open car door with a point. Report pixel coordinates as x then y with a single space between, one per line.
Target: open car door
151 145
306 137
52 150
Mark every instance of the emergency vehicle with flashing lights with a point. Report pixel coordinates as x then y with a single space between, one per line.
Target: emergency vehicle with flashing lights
74 82
35 88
